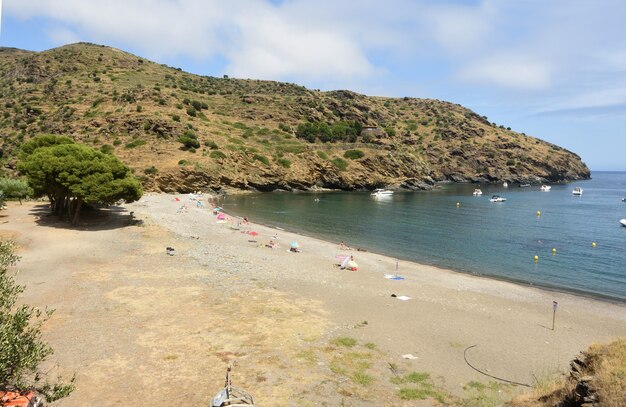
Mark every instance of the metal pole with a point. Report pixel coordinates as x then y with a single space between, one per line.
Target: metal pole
554 305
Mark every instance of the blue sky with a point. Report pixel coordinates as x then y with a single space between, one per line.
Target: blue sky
552 69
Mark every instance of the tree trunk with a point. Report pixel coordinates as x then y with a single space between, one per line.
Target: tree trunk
79 204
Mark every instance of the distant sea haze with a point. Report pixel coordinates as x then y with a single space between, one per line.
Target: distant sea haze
578 240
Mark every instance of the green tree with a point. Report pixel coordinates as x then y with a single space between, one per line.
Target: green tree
71 175
46 140
22 349
15 188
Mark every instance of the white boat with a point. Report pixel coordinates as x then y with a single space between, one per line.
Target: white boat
546 188
525 185
477 192
577 191
623 222
506 184
497 198
382 192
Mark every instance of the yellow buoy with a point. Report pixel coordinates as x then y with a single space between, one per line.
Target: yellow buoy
536 258
538 213
593 244
553 250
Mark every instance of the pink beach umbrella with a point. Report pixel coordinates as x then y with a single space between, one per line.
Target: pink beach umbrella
221 216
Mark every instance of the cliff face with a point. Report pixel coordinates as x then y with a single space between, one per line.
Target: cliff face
183 132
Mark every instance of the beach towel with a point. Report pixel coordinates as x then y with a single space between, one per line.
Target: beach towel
393 277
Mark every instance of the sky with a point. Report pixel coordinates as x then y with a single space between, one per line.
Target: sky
552 69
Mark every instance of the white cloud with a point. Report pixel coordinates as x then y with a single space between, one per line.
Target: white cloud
257 38
509 71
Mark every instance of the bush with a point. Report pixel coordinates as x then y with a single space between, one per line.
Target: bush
261 158
191 112
354 154
183 162
340 163
322 155
117 142
151 170
283 162
217 154
135 143
22 349
176 118
211 145
189 142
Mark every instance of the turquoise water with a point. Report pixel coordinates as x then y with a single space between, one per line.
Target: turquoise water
479 237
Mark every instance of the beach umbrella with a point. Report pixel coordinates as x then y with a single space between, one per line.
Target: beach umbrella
253 233
295 245
221 216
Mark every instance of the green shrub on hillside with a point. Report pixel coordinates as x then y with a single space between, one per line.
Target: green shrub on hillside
135 143
211 145
340 163
354 154
322 155
261 158
283 162
217 154
151 170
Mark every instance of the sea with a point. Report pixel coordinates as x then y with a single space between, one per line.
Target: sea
578 240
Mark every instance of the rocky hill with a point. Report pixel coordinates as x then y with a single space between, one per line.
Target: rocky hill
182 132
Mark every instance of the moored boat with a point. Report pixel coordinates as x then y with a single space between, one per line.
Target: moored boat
525 185
577 191
545 188
497 198
623 222
477 192
382 192
505 184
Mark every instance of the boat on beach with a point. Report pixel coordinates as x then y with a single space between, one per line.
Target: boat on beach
231 396
497 198
477 192
382 192
545 188
577 191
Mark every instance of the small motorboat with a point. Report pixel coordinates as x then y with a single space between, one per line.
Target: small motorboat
623 199
526 185
623 222
505 184
577 191
232 396
497 198
477 192
382 192
545 188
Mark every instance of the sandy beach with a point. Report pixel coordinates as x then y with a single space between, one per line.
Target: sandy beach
139 325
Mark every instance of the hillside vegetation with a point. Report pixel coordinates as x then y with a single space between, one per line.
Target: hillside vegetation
183 132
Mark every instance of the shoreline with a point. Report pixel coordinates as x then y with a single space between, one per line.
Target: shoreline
561 290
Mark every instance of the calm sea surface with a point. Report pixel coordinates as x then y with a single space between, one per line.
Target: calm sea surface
478 237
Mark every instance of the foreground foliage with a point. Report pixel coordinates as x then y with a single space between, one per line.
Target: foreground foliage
22 349
597 376
71 175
